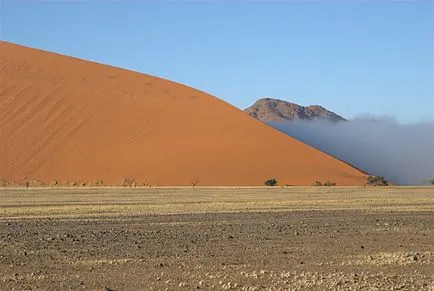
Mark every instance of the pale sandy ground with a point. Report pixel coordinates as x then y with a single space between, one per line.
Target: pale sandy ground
106 201
296 238
75 121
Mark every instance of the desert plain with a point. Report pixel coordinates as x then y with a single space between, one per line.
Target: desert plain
71 122
226 238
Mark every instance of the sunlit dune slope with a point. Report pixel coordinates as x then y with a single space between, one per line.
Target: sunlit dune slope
67 119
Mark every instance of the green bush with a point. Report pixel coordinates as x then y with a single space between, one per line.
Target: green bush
376 181
270 182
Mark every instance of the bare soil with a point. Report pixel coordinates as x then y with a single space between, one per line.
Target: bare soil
305 243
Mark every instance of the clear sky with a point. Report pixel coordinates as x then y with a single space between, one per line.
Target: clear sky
352 57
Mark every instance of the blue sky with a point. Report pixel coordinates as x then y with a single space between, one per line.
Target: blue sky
353 57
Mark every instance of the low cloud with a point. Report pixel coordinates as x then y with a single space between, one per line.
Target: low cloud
402 153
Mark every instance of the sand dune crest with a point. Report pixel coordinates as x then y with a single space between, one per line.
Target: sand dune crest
67 119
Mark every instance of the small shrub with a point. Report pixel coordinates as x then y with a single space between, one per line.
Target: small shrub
376 181
54 183
270 182
127 182
34 183
428 182
99 183
329 183
317 183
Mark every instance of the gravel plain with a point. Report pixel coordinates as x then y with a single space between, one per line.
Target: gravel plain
217 239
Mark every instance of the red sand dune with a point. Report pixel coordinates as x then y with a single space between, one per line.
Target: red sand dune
67 119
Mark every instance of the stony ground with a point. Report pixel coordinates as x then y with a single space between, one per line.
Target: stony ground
339 249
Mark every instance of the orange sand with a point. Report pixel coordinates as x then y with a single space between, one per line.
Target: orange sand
67 119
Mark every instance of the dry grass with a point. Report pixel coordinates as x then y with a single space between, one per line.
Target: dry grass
109 201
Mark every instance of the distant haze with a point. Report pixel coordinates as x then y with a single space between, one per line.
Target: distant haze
403 154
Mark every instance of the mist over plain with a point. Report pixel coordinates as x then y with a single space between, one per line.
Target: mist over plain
402 153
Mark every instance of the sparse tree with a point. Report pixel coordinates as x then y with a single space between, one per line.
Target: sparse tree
194 182
127 182
54 183
99 183
329 183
